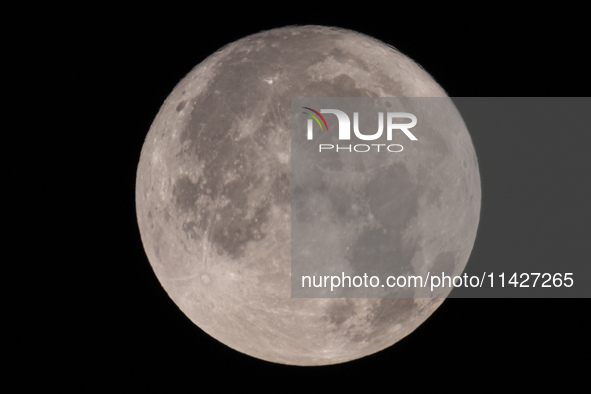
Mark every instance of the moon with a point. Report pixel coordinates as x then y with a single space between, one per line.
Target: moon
215 199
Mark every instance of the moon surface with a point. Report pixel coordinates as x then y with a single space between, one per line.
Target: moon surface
214 197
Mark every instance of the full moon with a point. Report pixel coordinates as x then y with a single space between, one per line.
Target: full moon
214 197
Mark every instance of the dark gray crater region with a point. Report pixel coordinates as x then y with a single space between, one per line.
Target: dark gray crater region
217 198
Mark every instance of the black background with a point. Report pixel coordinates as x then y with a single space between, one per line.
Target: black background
120 330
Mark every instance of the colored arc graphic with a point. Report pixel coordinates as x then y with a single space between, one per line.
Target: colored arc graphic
315 118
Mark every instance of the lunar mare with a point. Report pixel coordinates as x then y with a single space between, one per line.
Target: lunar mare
214 196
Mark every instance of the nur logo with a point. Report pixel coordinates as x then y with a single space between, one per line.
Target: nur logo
345 129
